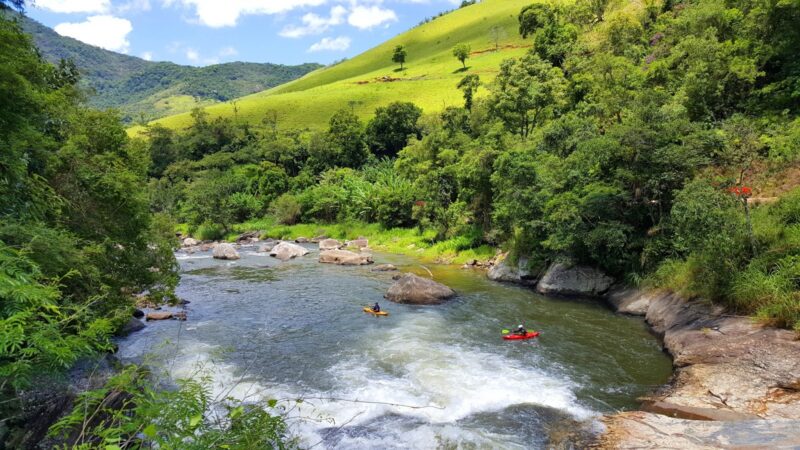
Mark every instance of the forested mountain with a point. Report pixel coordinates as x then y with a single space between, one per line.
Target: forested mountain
144 89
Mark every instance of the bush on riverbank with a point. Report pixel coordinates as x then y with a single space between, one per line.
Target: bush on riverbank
129 413
720 265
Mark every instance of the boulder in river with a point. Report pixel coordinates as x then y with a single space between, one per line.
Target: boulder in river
318 239
384 268
286 251
225 251
190 242
159 315
505 270
358 243
131 326
247 238
416 290
301 240
345 258
562 279
266 247
329 244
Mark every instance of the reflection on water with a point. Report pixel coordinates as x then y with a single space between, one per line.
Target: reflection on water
425 377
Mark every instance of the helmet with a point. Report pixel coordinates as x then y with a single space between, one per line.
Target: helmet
520 326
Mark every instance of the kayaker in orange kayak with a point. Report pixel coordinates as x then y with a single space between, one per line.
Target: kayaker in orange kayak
376 307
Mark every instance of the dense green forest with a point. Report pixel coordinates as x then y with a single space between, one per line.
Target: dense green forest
630 138
657 141
145 90
77 241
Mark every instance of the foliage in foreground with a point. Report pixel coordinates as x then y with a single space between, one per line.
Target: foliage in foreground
128 413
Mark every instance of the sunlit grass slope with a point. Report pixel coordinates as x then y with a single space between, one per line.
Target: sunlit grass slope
362 83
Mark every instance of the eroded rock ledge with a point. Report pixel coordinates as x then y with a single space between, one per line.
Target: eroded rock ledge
736 383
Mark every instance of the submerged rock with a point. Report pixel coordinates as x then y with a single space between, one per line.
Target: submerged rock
384 268
286 251
329 244
562 279
131 326
225 251
416 290
345 258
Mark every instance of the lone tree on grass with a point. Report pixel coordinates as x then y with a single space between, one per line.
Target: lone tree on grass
461 52
399 55
468 85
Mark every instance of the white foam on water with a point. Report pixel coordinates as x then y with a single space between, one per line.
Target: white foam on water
185 257
411 365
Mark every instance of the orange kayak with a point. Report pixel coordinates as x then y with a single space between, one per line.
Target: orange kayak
367 309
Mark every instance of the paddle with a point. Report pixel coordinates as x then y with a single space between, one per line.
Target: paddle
505 331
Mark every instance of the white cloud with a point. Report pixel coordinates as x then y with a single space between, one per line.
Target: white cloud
192 55
133 6
338 44
74 6
314 24
108 32
147 56
217 13
364 17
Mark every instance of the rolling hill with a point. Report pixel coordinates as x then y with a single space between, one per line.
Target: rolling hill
155 89
370 79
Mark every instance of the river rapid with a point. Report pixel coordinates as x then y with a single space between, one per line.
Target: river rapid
424 377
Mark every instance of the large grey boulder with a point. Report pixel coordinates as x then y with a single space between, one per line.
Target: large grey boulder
505 271
562 279
416 290
361 242
190 242
286 251
131 326
225 251
345 258
329 244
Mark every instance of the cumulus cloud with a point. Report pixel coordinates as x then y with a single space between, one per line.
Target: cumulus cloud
314 24
108 32
147 56
74 6
192 55
338 44
216 13
366 17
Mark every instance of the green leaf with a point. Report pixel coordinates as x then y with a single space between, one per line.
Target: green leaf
272 402
195 420
150 431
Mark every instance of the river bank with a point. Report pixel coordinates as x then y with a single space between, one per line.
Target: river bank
736 383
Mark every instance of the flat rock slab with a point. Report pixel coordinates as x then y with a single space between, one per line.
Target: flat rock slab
642 430
415 290
384 268
345 258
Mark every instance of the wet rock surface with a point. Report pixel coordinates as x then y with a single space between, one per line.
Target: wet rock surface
345 258
416 290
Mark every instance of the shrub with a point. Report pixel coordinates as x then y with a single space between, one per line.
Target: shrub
286 209
208 231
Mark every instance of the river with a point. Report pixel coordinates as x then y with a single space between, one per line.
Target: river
424 377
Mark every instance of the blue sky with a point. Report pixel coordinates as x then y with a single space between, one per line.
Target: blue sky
202 32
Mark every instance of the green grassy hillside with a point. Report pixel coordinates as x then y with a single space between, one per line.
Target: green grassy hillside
370 80
156 89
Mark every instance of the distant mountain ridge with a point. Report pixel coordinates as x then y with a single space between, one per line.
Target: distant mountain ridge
148 90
